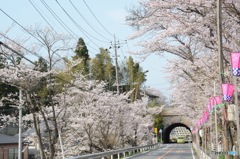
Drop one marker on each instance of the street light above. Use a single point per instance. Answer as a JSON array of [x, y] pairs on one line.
[[20, 126], [160, 131], [156, 133]]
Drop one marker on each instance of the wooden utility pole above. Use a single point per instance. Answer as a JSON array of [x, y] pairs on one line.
[[116, 63], [219, 32], [221, 69]]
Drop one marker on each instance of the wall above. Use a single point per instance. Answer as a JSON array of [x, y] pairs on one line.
[[4, 148]]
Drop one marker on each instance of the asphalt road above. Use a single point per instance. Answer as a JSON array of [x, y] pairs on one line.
[[168, 151]]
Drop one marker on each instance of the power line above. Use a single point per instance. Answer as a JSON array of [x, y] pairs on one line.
[[97, 18], [14, 51], [33, 34], [122, 52], [65, 26], [118, 45], [48, 22], [59, 20], [127, 46], [38, 9], [27, 30], [122, 55], [78, 26], [6, 46], [21, 46], [41, 15], [22, 26], [33, 53], [87, 21]]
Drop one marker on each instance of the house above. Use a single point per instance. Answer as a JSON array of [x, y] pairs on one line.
[[9, 147], [153, 95], [33, 147]]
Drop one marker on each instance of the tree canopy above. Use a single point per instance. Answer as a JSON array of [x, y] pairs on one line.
[[188, 30], [74, 104]]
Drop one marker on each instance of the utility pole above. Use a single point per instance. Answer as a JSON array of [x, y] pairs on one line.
[[219, 32], [221, 69], [116, 63], [20, 126], [116, 46]]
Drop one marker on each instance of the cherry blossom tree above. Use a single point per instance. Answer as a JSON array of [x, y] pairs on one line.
[[100, 120], [187, 29], [65, 105], [21, 72], [87, 118]]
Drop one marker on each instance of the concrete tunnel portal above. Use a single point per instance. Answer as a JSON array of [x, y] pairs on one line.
[[167, 131]]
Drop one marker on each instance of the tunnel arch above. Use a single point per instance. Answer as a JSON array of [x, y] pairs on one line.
[[167, 131]]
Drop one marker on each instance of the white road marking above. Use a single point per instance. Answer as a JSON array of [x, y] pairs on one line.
[[192, 153]]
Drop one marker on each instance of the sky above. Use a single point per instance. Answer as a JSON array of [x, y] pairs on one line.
[[96, 21]]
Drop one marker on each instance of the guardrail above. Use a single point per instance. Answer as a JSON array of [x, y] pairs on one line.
[[120, 152]]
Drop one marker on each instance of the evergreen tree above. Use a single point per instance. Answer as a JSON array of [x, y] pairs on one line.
[[82, 53], [2, 61], [7, 92], [42, 90], [41, 65]]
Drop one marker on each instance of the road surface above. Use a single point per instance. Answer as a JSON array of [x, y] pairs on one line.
[[168, 151]]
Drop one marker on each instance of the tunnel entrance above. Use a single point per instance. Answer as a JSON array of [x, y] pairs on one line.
[[167, 132]]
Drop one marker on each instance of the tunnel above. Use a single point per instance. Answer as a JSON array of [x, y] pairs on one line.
[[167, 131]]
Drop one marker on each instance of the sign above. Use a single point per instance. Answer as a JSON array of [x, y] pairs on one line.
[[155, 130], [201, 133]]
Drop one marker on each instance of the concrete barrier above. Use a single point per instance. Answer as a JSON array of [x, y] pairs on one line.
[[200, 153]]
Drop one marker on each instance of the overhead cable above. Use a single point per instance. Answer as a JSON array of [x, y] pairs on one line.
[[14, 51], [62, 23], [20, 46], [87, 21], [78, 26], [22, 26], [27, 30], [97, 18], [59, 20], [6, 46], [41, 15]]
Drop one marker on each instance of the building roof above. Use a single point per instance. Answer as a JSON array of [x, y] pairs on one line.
[[5, 139]]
